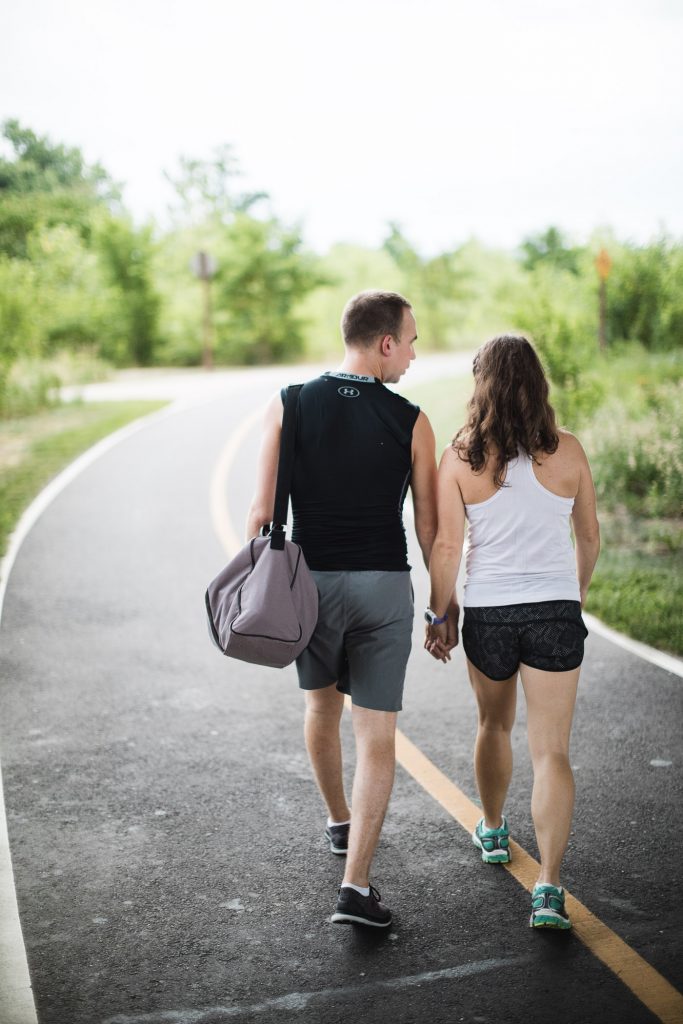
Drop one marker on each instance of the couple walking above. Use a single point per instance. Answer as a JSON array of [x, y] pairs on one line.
[[518, 480]]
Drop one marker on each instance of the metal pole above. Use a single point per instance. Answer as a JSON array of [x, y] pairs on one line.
[[602, 326], [204, 266], [207, 354], [603, 264]]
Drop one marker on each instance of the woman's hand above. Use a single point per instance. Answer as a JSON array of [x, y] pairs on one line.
[[436, 642], [440, 640]]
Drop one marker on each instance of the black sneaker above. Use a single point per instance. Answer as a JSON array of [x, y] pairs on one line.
[[357, 909], [338, 836]]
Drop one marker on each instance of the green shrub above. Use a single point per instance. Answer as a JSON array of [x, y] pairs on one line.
[[30, 385], [645, 294], [556, 308], [637, 459]]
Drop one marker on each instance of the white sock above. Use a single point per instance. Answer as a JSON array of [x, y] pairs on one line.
[[359, 888], [330, 823]]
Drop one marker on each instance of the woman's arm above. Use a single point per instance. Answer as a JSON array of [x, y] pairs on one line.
[[585, 525], [446, 555]]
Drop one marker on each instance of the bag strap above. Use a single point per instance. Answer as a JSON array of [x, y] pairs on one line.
[[285, 466]]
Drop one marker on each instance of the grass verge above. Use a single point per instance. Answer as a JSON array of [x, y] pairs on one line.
[[33, 449], [643, 600], [637, 587]]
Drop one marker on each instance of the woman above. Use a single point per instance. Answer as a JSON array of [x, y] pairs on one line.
[[518, 480]]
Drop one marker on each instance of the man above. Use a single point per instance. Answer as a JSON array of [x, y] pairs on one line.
[[359, 446]]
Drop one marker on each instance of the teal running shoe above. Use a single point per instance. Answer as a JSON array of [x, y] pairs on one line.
[[547, 908], [494, 843]]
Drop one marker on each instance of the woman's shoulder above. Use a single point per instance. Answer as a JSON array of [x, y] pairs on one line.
[[568, 458], [569, 445], [456, 452]]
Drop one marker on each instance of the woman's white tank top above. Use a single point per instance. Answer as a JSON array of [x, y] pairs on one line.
[[519, 544]]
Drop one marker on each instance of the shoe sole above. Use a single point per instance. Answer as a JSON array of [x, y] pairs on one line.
[[558, 924], [340, 851], [502, 857], [338, 918]]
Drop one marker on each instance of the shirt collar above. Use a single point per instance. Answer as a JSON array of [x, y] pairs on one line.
[[352, 376]]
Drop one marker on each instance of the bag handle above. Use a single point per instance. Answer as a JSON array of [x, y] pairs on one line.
[[285, 467]]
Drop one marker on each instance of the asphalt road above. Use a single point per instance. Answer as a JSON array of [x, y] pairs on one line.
[[166, 834]]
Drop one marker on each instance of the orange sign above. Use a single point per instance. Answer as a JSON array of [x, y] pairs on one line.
[[603, 262]]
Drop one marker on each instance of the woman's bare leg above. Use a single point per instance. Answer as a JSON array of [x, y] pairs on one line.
[[550, 698], [497, 703]]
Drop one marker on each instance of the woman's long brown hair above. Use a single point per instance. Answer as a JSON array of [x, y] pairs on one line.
[[509, 409]]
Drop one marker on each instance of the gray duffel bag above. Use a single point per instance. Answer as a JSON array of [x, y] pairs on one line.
[[263, 606]]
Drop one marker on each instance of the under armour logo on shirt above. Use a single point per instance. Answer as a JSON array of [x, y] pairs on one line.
[[347, 392]]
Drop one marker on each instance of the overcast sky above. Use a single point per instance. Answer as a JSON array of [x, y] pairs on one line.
[[453, 118]]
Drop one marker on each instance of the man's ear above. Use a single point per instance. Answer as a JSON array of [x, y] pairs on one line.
[[385, 346]]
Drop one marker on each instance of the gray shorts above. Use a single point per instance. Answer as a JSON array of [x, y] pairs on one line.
[[363, 637]]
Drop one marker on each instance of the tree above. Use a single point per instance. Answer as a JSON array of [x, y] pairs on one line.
[[645, 294], [556, 308], [550, 247], [263, 275], [436, 286], [43, 184], [127, 254], [205, 188]]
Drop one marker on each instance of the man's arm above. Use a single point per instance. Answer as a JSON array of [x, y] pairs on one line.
[[423, 484], [262, 505]]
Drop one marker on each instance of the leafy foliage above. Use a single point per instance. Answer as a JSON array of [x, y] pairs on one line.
[[262, 275], [636, 450], [127, 254], [552, 307], [645, 295], [551, 249], [344, 271], [436, 288], [205, 188], [42, 185]]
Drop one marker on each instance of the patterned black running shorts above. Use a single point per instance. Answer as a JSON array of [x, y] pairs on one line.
[[547, 635]]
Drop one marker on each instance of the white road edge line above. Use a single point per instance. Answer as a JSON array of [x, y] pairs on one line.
[[16, 997], [669, 662], [298, 1001]]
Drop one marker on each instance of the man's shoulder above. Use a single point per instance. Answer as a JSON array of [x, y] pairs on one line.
[[401, 402], [298, 384]]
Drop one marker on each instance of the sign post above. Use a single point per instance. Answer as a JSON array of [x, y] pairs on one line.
[[603, 263], [204, 266]]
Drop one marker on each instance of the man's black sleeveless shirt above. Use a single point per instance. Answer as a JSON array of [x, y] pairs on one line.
[[351, 473]]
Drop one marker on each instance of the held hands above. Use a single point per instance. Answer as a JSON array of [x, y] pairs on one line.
[[440, 640]]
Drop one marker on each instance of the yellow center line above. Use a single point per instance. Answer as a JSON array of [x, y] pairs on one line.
[[221, 519], [647, 984]]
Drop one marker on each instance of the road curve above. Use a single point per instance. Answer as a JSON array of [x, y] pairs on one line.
[[165, 833]]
